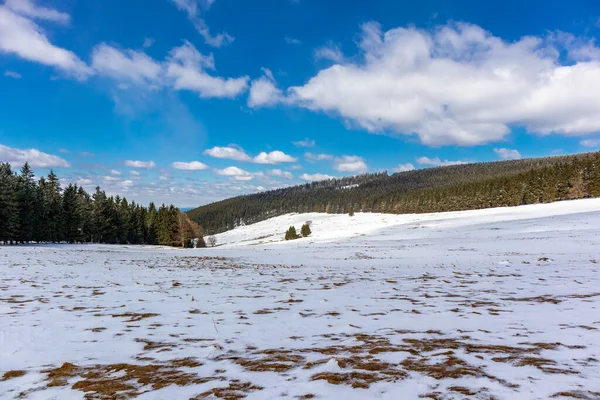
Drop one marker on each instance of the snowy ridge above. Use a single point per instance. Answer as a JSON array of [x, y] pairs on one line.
[[331, 227]]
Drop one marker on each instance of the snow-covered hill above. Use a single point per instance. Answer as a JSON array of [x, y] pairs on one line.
[[498, 303], [374, 226]]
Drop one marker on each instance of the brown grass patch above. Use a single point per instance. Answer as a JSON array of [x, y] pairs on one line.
[[578, 394], [272, 360], [134, 317], [17, 373], [121, 381], [235, 391]]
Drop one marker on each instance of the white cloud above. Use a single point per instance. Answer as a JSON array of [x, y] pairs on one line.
[[13, 74], [230, 153], [331, 52], [316, 177], [281, 174], [311, 157], [29, 9], [436, 162], [22, 37], [84, 181], [350, 164], [274, 157], [148, 42], [304, 143], [190, 166], [192, 8], [235, 172], [115, 172], [109, 178], [508, 154], [186, 66], [590, 143], [458, 84], [264, 92], [134, 173], [404, 167], [125, 184], [292, 40], [34, 157], [128, 65], [140, 164]]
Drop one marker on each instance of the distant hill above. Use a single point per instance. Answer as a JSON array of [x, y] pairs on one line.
[[457, 187]]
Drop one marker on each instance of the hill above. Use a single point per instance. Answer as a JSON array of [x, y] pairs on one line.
[[451, 188]]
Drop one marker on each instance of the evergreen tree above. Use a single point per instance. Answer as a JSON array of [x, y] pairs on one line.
[[305, 230], [9, 211], [72, 217], [291, 234]]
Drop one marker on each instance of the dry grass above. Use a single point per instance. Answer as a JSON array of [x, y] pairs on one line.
[[578, 394], [235, 391], [122, 381], [134, 317], [12, 374]]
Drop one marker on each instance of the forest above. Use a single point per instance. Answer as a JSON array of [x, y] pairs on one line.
[[42, 211], [450, 188]]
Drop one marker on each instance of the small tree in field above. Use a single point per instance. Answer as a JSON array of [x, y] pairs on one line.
[[291, 234], [212, 241], [305, 230], [351, 211]]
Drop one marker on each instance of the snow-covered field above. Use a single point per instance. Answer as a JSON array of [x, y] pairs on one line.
[[500, 303]]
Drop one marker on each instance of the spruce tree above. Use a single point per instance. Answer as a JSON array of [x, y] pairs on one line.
[[305, 230]]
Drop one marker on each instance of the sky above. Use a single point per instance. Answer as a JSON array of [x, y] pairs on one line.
[[192, 101]]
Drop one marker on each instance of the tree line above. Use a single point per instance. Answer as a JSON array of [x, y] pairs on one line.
[[42, 211], [451, 188]]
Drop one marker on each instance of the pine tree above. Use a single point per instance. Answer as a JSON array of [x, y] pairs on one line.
[[9, 212], [291, 234], [71, 216], [305, 230]]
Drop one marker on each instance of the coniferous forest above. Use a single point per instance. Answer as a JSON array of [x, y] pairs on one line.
[[451, 188], [42, 211]]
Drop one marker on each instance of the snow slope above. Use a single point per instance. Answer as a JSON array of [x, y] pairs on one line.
[[498, 303]]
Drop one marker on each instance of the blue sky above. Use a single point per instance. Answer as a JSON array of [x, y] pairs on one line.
[[191, 101]]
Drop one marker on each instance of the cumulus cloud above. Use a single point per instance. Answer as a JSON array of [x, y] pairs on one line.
[[281, 174], [508, 154], [458, 84], [264, 91], [316, 177], [436, 162], [274, 157], [194, 9], [190, 166], [134, 173], [140, 164], [350, 164], [125, 65], [187, 68], [235, 172], [404, 167], [304, 143], [34, 157], [115, 172], [312, 157], [230, 153], [22, 37]]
